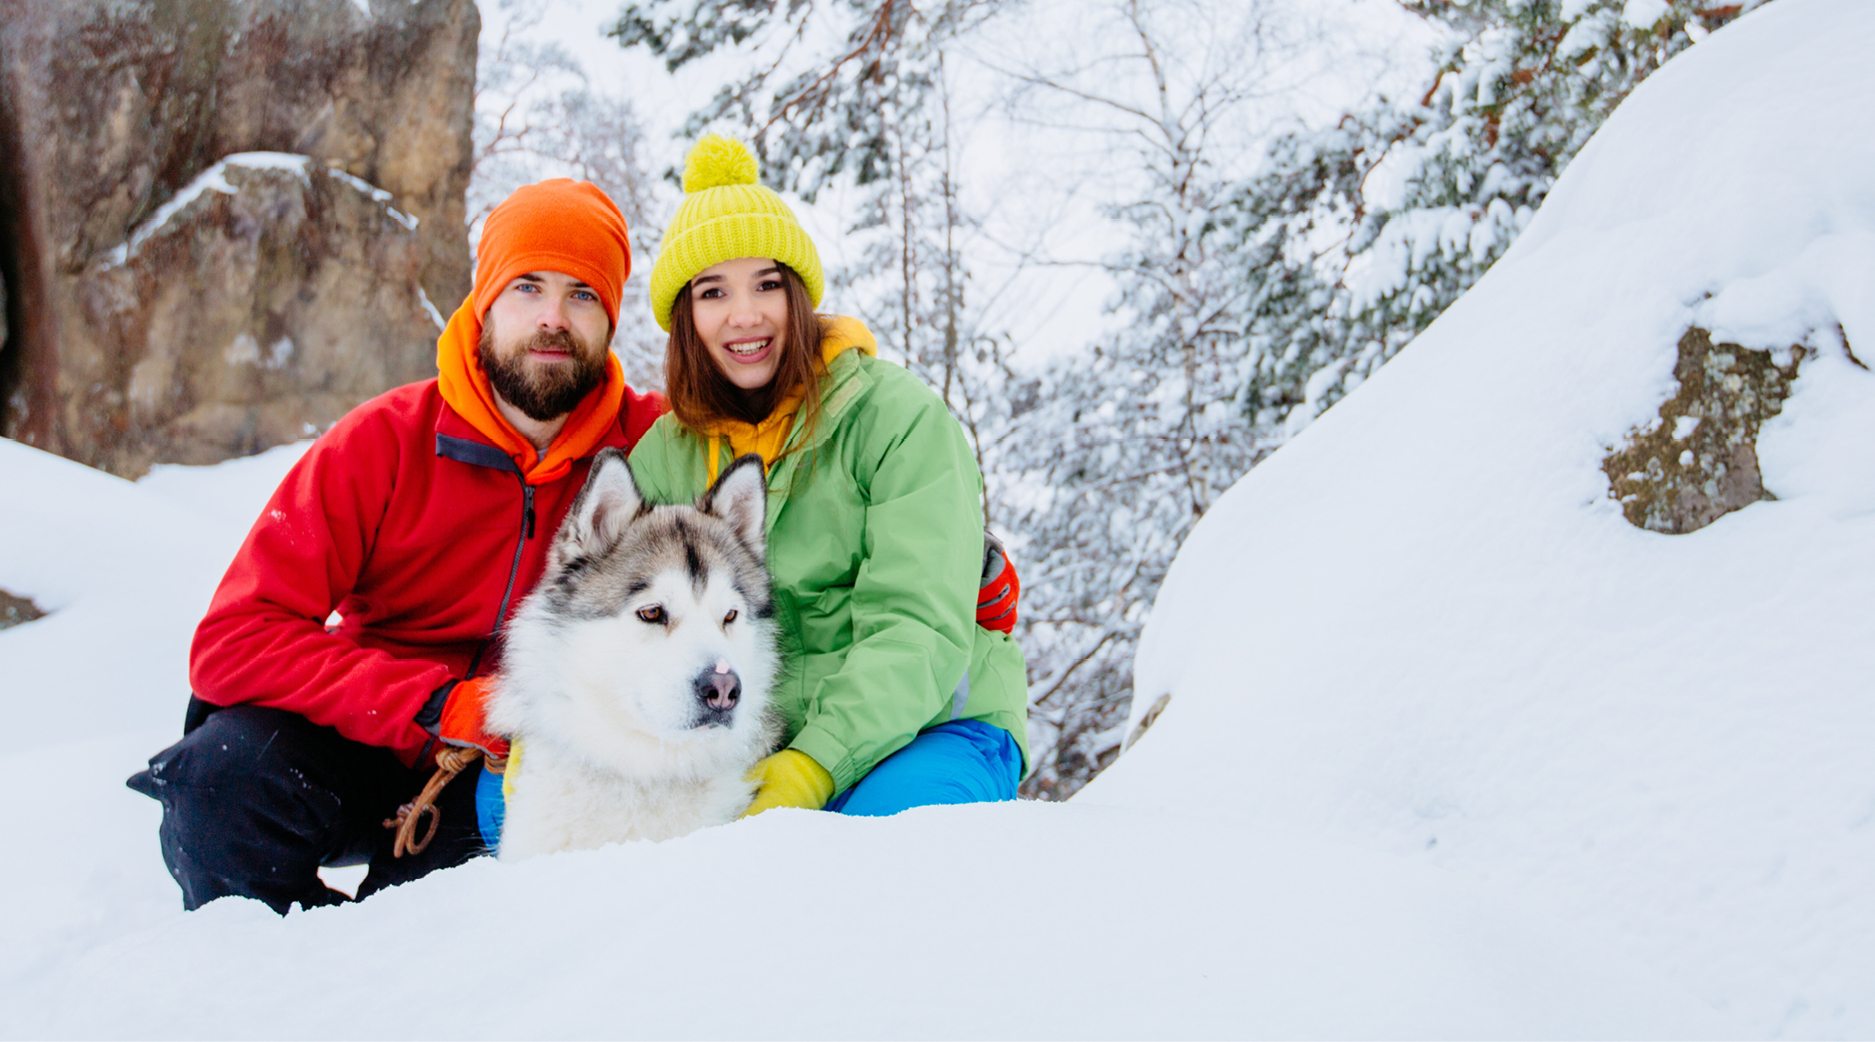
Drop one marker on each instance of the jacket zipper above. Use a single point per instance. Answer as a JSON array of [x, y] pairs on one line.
[[514, 569]]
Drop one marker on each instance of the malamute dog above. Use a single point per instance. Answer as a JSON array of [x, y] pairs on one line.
[[637, 674]]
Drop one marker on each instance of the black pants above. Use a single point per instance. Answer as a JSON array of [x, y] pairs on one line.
[[255, 800]]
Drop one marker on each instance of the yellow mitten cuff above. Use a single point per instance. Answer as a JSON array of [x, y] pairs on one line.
[[790, 778]]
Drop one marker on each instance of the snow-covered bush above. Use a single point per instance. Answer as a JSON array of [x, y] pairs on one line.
[[1353, 238]]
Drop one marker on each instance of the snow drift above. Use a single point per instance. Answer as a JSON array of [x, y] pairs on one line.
[[1039, 920], [1426, 627]]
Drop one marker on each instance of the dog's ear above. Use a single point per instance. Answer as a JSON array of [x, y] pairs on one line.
[[605, 506], [740, 497]]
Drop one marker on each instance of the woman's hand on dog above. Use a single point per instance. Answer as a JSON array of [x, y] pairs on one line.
[[789, 778]]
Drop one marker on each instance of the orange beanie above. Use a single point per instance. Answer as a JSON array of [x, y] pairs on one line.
[[560, 225]]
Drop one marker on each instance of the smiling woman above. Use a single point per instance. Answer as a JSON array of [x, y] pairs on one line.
[[895, 697]]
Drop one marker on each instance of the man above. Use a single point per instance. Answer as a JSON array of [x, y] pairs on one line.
[[421, 518]]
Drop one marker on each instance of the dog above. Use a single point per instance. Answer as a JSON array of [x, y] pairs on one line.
[[636, 676]]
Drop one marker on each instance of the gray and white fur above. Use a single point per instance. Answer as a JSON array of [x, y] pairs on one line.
[[637, 674]]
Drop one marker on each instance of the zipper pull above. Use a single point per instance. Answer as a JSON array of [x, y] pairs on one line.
[[527, 519]]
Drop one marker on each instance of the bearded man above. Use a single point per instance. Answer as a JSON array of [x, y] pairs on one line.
[[351, 634]]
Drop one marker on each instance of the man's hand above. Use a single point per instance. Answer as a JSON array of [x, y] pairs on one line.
[[996, 595], [462, 721], [790, 778]]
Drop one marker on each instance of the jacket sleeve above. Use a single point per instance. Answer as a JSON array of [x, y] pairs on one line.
[[913, 599], [264, 641]]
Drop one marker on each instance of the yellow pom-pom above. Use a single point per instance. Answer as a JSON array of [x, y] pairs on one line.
[[717, 161]]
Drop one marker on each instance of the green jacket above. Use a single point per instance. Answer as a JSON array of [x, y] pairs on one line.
[[875, 541]]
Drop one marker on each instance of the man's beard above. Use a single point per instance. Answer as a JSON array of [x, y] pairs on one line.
[[547, 391]]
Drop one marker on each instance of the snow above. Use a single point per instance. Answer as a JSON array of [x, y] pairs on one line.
[[1451, 750], [1645, 14], [125, 570], [1424, 628], [379, 195], [215, 179], [945, 921], [430, 309], [1010, 920]]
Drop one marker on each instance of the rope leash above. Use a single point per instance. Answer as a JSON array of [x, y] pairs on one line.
[[450, 762]]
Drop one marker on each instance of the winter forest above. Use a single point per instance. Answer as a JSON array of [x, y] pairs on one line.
[[1136, 246], [1433, 437]]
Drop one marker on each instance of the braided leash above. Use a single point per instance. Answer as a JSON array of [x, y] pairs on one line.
[[449, 763]]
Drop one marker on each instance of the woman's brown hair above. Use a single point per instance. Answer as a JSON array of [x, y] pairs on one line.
[[702, 396]]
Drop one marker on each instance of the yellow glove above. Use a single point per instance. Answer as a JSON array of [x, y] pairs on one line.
[[790, 778]]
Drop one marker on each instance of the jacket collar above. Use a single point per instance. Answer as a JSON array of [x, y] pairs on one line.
[[459, 440], [846, 382]]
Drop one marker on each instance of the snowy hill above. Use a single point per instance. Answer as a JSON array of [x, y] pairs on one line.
[[1041, 920], [1452, 750], [1426, 627]]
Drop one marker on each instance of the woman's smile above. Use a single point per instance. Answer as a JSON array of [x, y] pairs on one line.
[[750, 350]]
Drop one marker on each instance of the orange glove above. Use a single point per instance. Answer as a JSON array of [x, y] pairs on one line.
[[462, 721], [997, 593]]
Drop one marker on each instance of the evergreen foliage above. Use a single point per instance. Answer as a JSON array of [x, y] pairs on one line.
[[1351, 240]]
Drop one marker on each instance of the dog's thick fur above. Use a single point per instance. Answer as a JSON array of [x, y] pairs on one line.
[[619, 666]]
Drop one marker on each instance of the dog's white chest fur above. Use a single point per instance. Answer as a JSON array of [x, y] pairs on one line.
[[561, 804], [636, 675]]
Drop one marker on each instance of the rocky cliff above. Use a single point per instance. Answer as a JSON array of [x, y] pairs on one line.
[[224, 222]]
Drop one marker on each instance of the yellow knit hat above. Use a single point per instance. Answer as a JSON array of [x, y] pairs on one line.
[[727, 214]]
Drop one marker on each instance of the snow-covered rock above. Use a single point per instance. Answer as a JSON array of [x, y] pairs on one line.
[[1425, 626]]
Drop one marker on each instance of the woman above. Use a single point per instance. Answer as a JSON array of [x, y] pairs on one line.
[[895, 697]]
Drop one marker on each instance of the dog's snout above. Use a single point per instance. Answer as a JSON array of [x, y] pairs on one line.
[[719, 691]]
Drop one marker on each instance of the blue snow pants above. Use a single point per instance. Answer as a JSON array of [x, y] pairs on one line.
[[963, 761]]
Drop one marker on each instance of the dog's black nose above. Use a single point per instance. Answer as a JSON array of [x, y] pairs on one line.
[[719, 690]]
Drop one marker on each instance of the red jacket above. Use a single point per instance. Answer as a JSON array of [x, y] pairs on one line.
[[421, 533]]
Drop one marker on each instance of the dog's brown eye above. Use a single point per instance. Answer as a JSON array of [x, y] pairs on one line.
[[729, 618], [653, 614]]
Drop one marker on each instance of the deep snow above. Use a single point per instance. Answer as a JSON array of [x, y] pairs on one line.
[[1424, 627], [994, 921], [1452, 750]]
